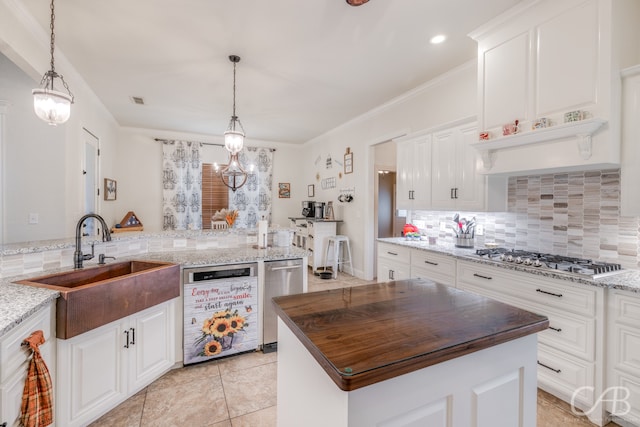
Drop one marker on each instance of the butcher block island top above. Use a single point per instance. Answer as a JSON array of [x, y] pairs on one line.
[[367, 334]]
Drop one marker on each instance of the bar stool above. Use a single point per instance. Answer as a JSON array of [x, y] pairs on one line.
[[338, 259]]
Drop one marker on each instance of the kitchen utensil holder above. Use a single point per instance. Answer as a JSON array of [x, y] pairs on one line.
[[464, 241]]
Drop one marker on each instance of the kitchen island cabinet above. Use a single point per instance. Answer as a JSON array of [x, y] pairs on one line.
[[409, 352]]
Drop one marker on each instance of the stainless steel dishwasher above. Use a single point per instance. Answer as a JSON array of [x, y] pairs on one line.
[[281, 278]]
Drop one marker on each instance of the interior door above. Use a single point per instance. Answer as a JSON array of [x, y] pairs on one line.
[[91, 187]]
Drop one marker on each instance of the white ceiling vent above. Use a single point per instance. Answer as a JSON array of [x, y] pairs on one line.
[[137, 100]]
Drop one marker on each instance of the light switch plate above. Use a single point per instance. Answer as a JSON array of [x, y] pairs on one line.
[[479, 230], [443, 226], [33, 218]]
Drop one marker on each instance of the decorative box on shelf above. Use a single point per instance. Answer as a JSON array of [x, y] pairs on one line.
[[130, 222]]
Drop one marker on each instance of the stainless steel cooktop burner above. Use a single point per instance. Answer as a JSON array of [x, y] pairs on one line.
[[579, 266]]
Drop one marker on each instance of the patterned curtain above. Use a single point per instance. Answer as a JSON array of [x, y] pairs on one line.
[[253, 199], [182, 185]]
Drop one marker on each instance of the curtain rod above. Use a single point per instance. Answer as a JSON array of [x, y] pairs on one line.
[[206, 143]]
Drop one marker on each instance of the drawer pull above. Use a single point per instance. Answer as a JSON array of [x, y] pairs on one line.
[[126, 344], [555, 329], [392, 253], [482, 277], [430, 263], [549, 293], [557, 371]]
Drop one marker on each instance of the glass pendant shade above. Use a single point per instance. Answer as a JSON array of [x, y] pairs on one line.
[[52, 106], [234, 136]]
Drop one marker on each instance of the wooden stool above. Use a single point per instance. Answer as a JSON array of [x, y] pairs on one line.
[[338, 259]]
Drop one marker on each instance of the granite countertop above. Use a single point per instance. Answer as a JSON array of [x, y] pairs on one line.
[[312, 219], [628, 280], [350, 331], [18, 302]]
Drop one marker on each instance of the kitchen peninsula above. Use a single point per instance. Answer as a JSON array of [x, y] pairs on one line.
[[409, 352]]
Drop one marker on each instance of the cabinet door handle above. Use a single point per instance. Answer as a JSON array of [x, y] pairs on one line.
[[451, 194], [391, 275], [482, 277], [455, 192], [133, 336], [392, 253], [126, 343], [430, 262], [557, 371], [549, 293], [555, 329]]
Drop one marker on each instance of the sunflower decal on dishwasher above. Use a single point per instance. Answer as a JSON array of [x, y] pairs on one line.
[[218, 332]]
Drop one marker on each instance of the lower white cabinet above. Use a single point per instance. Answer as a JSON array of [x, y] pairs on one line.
[[571, 352], [394, 262], [14, 362], [101, 368], [623, 367]]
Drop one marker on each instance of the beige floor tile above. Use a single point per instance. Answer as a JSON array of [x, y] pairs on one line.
[[262, 418], [186, 374], [250, 390], [127, 414], [197, 403], [247, 360]]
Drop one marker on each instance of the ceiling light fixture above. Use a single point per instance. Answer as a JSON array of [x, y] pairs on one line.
[[438, 39], [50, 105], [356, 2], [232, 175], [234, 136]]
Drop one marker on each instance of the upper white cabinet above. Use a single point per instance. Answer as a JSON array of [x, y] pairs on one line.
[[543, 59], [630, 173], [456, 183], [413, 190]]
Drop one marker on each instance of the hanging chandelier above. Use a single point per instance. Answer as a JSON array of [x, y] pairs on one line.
[[52, 106], [233, 175]]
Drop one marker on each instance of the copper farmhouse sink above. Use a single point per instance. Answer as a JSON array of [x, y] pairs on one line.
[[95, 296]]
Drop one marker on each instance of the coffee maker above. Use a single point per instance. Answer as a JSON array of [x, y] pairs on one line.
[[308, 210]]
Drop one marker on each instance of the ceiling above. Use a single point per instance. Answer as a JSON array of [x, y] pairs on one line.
[[307, 65]]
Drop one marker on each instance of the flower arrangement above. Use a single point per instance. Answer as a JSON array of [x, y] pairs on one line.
[[218, 332], [225, 215]]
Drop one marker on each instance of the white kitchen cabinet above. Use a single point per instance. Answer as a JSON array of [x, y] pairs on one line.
[[101, 368], [433, 266], [455, 182], [413, 187], [394, 262], [629, 171], [544, 59], [14, 362], [571, 352], [623, 364]]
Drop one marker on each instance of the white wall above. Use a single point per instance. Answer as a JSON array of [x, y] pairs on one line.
[[43, 169], [139, 174], [447, 98]]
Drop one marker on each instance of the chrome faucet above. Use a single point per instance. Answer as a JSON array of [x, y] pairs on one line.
[[78, 256]]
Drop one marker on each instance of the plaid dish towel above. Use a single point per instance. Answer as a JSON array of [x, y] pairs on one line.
[[37, 396]]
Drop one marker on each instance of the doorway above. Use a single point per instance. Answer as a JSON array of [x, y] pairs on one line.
[[90, 172], [386, 203]]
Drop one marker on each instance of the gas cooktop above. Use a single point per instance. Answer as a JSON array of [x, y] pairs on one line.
[[578, 266]]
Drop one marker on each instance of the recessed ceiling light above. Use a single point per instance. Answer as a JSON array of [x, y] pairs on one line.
[[438, 39]]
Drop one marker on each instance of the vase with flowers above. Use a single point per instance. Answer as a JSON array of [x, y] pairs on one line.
[[218, 332]]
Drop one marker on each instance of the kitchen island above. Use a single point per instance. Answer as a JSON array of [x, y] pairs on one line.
[[405, 353]]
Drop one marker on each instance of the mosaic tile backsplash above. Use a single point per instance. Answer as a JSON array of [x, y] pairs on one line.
[[575, 214]]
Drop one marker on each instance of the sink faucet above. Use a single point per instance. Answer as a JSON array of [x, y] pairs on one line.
[[78, 256]]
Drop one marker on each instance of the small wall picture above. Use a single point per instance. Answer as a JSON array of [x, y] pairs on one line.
[[348, 161], [284, 190], [110, 189], [311, 190]]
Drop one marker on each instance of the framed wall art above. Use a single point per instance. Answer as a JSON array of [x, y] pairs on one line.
[[110, 189], [348, 161], [284, 190], [311, 190]]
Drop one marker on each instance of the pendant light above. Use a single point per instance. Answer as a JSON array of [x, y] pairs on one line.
[[234, 136], [52, 106], [233, 175]]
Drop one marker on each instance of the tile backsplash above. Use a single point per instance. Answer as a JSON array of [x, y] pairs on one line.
[[575, 214]]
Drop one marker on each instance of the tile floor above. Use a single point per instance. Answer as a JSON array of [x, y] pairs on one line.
[[240, 391]]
